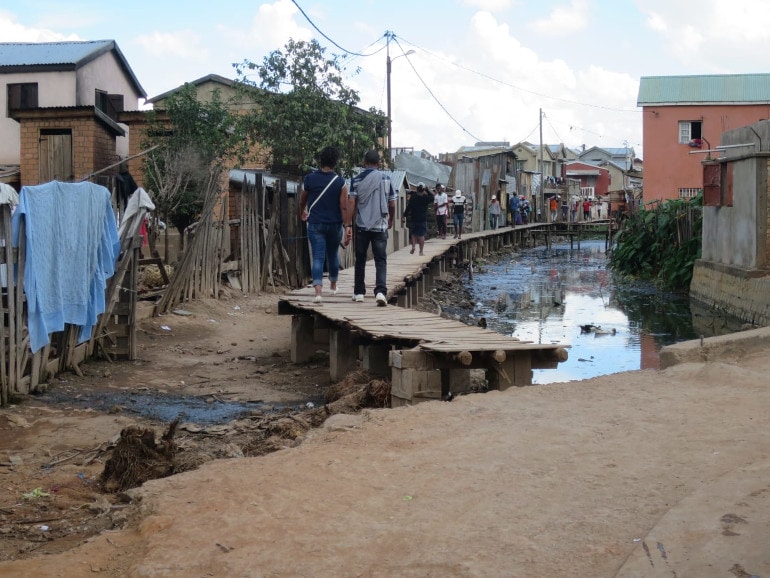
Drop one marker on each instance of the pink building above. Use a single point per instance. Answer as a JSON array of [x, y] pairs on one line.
[[688, 114], [594, 181]]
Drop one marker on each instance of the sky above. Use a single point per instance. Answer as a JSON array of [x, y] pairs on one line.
[[481, 70]]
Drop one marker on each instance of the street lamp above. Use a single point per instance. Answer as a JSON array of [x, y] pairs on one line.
[[390, 122]]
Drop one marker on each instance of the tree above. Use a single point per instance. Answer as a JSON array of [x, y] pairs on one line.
[[304, 105], [193, 140]]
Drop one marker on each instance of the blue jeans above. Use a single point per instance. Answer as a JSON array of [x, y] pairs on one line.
[[458, 222], [325, 243], [379, 242]]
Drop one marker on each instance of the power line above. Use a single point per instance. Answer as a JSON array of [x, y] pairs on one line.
[[465, 130], [552, 128], [530, 133], [504, 83], [327, 38]]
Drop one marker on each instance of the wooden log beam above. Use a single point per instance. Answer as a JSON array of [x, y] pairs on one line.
[[464, 357]]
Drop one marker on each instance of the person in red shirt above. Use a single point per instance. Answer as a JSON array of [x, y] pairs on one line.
[[586, 210]]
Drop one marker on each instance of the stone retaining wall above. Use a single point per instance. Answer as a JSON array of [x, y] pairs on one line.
[[739, 293]]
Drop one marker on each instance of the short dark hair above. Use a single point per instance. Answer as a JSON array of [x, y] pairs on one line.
[[372, 157], [329, 157]]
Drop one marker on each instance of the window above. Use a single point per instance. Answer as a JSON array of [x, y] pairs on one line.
[[22, 96], [688, 192], [689, 130], [109, 104]]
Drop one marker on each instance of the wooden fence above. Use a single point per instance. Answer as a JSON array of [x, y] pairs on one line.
[[22, 372], [268, 247]]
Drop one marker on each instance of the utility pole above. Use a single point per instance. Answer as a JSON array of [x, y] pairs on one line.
[[542, 168], [388, 35], [389, 63]]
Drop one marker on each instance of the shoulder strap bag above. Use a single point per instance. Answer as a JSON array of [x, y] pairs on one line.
[[310, 208]]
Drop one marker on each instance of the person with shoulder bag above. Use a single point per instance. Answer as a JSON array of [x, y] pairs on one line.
[[322, 205]]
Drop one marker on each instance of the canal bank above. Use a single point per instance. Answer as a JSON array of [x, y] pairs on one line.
[[644, 473], [568, 295]]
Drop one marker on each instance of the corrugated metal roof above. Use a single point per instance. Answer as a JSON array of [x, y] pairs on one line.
[[37, 56], [293, 187], [704, 89], [418, 169], [51, 53]]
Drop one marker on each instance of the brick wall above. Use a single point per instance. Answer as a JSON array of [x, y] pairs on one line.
[[93, 143]]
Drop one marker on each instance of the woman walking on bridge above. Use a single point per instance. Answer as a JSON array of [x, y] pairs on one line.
[[327, 196]]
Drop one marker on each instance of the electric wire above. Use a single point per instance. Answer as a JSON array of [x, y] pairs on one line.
[[504, 83], [553, 128], [465, 130], [325, 36]]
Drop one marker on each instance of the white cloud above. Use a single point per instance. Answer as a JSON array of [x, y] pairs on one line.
[[270, 28], [656, 22], [489, 5], [184, 44], [717, 37], [12, 31], [564, 19]]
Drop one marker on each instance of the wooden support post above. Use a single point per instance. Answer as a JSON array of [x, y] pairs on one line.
[[343, 353], [375, 360], [413, 378], [302, 338], [459, 380], [501, 375]]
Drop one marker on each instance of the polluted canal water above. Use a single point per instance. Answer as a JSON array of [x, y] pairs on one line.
[[563, 295]]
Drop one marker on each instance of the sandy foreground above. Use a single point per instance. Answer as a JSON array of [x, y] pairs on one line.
[[639, 474]]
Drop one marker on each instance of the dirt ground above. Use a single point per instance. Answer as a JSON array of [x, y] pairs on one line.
[[649, 473]]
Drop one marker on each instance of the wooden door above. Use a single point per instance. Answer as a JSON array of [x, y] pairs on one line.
[[56, 155]]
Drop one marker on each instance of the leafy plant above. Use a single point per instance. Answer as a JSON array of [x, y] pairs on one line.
[[193, 139], [303, 105], [661, 244]]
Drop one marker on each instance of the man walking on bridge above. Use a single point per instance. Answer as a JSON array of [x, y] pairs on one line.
[[372, 205]]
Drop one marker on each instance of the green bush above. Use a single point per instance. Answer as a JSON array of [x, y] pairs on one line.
[[661, 244]]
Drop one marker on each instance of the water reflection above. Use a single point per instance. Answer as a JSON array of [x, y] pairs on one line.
[[545, 296]]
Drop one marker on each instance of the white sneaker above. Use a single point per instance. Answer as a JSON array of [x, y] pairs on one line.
[[381, 301], [358, 298]]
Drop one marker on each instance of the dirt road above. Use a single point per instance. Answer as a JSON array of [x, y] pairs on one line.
[[652, 473]]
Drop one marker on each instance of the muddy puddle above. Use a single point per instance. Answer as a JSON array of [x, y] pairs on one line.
[[204, 410]]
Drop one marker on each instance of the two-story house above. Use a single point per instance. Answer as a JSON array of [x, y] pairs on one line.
[[688, 114], [60, 103]]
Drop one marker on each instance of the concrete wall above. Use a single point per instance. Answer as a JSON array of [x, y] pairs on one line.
[[105, 74], [733, 274], [54, 89], [730, 234]]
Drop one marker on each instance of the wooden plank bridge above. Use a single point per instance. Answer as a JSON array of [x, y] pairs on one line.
[[425, 356]]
